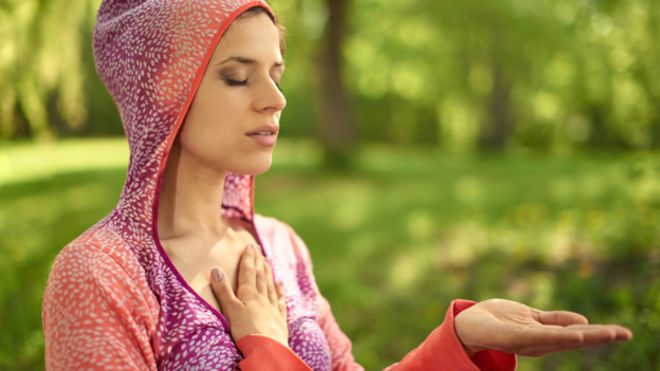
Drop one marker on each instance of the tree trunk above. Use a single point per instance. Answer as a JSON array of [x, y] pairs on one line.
[[336, 132], [498, 125]]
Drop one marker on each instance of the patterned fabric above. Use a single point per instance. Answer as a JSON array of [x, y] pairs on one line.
[[114, 300], [113, 294]]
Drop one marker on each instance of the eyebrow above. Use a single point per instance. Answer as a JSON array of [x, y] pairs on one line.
[[246, 60]]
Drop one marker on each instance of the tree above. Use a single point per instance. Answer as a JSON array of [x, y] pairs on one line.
[[41, 68], [337, 133]]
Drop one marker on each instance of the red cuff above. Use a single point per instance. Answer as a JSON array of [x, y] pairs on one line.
[[486, 360], [261, 352], [442, 350]]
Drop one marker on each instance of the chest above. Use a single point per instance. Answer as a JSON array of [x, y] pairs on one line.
[[191, 332], [194, 263]]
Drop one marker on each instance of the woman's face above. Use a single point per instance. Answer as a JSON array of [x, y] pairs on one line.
[[238, 95]]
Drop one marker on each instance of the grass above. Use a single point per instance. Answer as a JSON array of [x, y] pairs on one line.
[[393, 241]]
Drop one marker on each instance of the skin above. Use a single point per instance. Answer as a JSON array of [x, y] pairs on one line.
[[212, 142], [513, 327], [252, 309]]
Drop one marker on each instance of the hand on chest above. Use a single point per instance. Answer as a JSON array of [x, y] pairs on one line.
[[194, 258]]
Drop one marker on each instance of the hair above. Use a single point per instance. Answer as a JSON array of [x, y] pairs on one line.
[[280, 28]]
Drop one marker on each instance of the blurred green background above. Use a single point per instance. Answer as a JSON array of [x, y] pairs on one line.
[[429, 151]]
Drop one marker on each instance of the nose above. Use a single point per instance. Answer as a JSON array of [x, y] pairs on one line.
[[271, 98]]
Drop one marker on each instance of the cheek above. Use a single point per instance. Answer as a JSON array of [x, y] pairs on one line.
[[216, 99], [213, 139], [215, 125], [211, 116]]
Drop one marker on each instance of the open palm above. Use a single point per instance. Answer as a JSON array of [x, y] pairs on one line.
[[513, 327]]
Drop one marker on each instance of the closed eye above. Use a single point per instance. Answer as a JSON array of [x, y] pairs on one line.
[[232, 82]]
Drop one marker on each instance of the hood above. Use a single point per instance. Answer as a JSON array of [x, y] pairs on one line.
[[151, 55]]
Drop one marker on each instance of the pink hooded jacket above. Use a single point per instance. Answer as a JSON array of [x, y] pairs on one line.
[[114, 300]]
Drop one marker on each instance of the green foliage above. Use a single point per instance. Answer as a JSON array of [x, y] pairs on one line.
[[544, 75], [549, 74], [42, 72], [393, 241]]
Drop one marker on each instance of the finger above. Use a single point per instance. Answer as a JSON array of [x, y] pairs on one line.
[[281, 299], [551, 347], [262, 284], [246, 273], [546, 339], [542, 336], [272, 291], [595, 331], [617, 332], [598, 334], [257, 249], [255, 255], [535, 351], [623, 333], [559, 317], [592, 336], [222, 290]]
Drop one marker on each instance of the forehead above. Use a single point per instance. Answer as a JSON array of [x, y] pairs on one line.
[[254, 36]]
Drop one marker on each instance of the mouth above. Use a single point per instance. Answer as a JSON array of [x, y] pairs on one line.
[[269, 129], [265, 135], [265, 139]]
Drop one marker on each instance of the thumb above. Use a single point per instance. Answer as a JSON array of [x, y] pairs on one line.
[[561, 318], [222, 290]]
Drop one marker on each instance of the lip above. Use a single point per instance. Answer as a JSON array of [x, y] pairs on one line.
[[271, 128], [265, 140]]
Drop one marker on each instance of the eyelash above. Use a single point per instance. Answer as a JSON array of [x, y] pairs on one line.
[[231, 82]]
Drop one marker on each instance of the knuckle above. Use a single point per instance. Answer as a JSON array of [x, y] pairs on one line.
[[243, 291], [218, 289], [247, 264], [247, 293]]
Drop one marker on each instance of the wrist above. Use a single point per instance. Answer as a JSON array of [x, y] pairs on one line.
[[281, 341], [469, 349]]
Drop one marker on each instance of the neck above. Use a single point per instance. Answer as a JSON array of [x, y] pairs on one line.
[[190, 199]]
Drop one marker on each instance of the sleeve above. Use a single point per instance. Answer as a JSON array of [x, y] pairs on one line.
[[93, 316], [441, 348], [263, 353], [203, 350]]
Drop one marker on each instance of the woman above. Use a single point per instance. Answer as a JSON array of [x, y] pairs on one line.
[[196, 85]]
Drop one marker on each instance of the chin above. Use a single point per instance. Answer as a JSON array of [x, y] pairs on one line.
[[254, 168]]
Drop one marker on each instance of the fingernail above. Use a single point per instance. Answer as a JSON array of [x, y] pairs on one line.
[[216, 274]]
